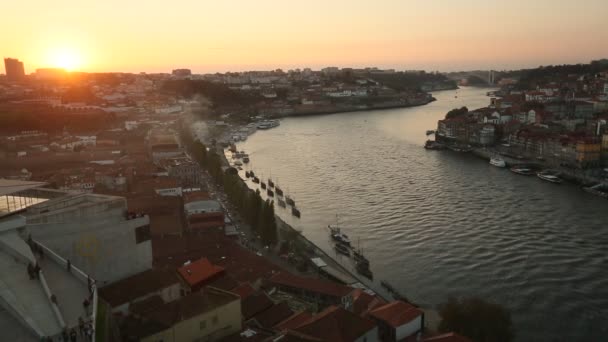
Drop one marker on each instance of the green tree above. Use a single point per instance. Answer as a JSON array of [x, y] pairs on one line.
[[477, 319]]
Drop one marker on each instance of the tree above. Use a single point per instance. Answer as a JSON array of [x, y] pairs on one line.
[[456, 112], [477, 319]]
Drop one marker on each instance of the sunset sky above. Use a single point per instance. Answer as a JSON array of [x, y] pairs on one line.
[[210, 36]]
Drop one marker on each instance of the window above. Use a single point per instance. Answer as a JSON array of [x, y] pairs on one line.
[[214, 320], [203, 325]]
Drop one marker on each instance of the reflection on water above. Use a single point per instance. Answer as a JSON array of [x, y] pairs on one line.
[[436, 223]]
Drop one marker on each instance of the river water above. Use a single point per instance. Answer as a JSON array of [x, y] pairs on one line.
[[438, 223]]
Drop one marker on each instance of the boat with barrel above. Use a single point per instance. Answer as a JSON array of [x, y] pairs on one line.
[[295, 212], [281, 202], [290, 200]]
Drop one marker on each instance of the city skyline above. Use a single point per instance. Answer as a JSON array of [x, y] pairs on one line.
[[267, 35]]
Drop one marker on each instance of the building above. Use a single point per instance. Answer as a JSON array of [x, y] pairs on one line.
[[397, 320], [318, 291], [95, 233], [163, 145], [14, 69], [50, 74], [122, 294], [203, 214], [195, 275], [207, 315], [588, 153], [42, 293], [339, 325], [181, 72], [186, 171]]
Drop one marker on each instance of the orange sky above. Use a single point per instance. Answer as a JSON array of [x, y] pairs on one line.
[[210, 36]]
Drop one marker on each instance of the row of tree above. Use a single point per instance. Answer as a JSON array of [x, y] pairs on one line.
[[259, 214]]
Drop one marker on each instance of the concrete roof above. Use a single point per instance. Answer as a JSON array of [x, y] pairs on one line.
[[9, 186]]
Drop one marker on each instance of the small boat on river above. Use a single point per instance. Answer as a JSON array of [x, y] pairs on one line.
[[549, 177], [342, 249], [498, 162]]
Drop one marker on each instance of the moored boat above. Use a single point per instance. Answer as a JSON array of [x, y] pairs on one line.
[[270, 193], [279, 191], [270, 183], [520, 170], [363, 269], [263, 185], [430, 131], [549, 177], [247, 174], [295, 212], [341, 238], [245, 160], [598, 190], [498, 162], [256, 179], [342, 249], [281, 203], [433, 145], [290, 201]]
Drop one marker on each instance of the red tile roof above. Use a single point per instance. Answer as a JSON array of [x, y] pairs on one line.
[[294, 336], [255, 304], [273, 315], [244, 290], [396, 313], [337, 325], [242, 264], [363, 302], [294, 321], [137, 286], [311, 284], [199, 271], [449, 337]]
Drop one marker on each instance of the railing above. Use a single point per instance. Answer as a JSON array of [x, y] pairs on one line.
[[80, 275]]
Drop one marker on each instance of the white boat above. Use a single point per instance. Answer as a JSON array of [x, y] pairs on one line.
[[549, 177], [498, 162]]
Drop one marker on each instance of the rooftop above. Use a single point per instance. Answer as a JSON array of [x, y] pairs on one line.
[[449, 337], [337, 325], [274, 315], [396, 313], [199, 271], [137, 286], [191, 305], [311, 284], [294, 321], [255, 304]]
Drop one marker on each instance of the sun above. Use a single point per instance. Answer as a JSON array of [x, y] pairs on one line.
[[65, 58]]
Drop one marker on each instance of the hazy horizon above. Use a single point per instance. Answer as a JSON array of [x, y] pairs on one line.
[[264, 35]]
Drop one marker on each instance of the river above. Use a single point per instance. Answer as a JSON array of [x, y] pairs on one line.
[[438, 223]]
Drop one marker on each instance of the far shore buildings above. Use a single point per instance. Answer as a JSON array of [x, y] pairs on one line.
[[14, 69]]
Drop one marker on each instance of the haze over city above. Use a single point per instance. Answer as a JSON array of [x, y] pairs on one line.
[[311, 171], [219, 36]]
